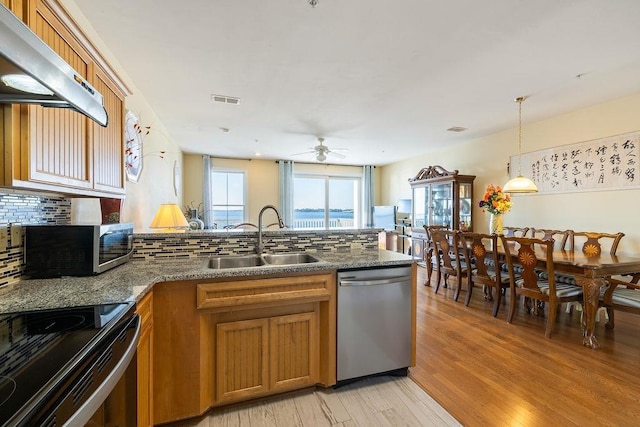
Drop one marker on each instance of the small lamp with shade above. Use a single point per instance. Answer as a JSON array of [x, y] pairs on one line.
[[169, 219]]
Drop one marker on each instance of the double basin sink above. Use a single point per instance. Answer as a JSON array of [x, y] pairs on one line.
[[246, 261]]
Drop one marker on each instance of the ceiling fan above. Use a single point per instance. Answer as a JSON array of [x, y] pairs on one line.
[[321, 151]]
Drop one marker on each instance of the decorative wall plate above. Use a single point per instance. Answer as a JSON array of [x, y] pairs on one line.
[[133, 147]]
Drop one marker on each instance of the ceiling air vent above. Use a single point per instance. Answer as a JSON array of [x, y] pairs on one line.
[[457, 129], [225, 99]]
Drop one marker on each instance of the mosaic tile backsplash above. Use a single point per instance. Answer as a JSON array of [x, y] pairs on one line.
[[198, 244], [34, 209], [26, 209]]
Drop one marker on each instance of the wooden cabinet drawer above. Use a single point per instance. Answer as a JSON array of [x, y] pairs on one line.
[[263, 292]]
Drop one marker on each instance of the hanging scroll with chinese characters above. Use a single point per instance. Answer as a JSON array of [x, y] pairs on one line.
[[604, 164]]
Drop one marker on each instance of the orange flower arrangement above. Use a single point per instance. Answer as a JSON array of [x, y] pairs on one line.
[[495, 200]]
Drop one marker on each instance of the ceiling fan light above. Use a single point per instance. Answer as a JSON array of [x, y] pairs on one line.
[[321, 157], [520, 184]]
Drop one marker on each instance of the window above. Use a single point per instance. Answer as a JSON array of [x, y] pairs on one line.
[[326, 202], [228, 190]]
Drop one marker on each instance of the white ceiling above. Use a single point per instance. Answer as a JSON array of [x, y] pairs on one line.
[[381, 78]]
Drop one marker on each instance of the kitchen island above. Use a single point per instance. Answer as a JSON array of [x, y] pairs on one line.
[[131, 281], [218, 336]]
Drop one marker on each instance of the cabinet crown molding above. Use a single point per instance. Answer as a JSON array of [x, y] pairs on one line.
[[433, 172]]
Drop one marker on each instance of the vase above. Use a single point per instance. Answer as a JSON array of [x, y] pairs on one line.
[[110, 209], [195, 223], [495, 224]]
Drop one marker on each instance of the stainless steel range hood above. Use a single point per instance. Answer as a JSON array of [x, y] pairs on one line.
[[24, 55]]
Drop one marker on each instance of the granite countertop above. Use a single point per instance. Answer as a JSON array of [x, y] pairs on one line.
[[131, 281]]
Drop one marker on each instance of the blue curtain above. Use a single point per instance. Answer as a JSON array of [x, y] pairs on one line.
[[285, 168], [368, 196], [207, 201]]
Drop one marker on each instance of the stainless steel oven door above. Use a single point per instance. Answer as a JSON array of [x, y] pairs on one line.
[[115, 361]]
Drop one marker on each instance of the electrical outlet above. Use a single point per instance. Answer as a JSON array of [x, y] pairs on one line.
[[16, 234], [4, 237]]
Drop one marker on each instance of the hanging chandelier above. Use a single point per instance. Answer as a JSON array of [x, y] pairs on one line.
[[520, 184]]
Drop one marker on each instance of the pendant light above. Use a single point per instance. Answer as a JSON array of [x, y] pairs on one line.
[[520, 184]]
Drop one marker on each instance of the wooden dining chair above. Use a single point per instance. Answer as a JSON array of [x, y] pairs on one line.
[[429, 257], [621, 295], [480, 251], [515, 231], [529, 284], [591, 243], [561, 238], [449, 260]]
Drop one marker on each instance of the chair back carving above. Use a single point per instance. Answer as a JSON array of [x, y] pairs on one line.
[[428, 228], [591, 242], [447, 251], [529, 253], [486, 261], [445, 242], [480, 250], [560, 237], [516, 231], [431, 260], [523, 254]]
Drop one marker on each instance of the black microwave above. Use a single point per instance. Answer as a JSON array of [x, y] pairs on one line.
[[75, 250]]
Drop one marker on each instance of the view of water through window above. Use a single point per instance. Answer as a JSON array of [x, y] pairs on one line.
[[326, 202]]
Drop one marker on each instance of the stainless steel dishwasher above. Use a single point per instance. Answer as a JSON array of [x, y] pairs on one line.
[[374, 322]]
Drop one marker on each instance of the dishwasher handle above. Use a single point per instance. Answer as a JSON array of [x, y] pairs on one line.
[[373, 282]]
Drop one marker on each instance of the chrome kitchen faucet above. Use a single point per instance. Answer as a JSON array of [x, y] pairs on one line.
[[260, 246]]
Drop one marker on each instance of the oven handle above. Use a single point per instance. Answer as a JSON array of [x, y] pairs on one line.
[[93, 403]]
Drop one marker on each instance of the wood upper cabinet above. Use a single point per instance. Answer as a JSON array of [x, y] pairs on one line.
[[57, 149], [108, 142], [59, 139]]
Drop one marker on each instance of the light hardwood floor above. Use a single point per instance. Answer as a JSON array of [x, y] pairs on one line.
[[487, 372], [377, 401], [482, 370]]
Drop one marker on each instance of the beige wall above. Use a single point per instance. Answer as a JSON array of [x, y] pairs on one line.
[[487, 158], [156, 184], [160, 152], [262, 177], [262, 181]]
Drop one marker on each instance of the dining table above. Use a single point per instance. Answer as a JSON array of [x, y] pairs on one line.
[[590, 272]]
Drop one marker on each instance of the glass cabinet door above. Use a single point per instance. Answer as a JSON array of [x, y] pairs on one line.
[[465, 206], [419, 206], [441, 204]]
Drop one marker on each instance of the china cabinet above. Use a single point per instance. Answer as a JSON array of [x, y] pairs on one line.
[[441, 197]]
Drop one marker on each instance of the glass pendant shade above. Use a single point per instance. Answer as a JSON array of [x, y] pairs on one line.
[[520, 184]]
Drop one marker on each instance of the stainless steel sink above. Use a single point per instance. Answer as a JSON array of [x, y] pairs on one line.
[[287, 259], [235, 261], [245, 261]]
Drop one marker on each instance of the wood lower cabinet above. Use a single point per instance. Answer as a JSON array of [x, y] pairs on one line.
[[259, 356], [144, 362], [293, 351], [232, 339], [242, 350], [57, 149]]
